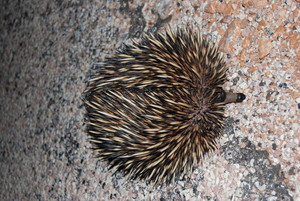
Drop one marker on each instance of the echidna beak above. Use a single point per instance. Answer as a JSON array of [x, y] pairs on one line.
[[234, 97]]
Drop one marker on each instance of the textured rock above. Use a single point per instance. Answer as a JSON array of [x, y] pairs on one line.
[[231, 35], [264, 47], [48, 47]]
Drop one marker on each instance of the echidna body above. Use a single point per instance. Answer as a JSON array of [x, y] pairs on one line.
[[156, 108]]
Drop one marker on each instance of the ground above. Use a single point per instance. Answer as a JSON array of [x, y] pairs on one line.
[[47, 49]]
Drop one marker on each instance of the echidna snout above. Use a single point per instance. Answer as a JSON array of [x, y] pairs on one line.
[[227, 97], [234, 97]]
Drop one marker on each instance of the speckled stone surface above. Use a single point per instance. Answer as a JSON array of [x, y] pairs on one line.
[[48, 47]]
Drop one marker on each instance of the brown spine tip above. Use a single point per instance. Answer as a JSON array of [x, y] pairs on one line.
[[234, 97]]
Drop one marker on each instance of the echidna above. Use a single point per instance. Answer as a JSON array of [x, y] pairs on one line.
[[156, 108]]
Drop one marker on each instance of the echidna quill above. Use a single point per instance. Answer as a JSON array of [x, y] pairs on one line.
[[156, 108]]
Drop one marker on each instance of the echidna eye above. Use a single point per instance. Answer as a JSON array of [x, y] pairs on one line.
[[219, 95]]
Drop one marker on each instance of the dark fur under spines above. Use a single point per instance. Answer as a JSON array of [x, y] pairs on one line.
[[156, 108]]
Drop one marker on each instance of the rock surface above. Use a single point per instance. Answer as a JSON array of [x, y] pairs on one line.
[[47, 49]]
